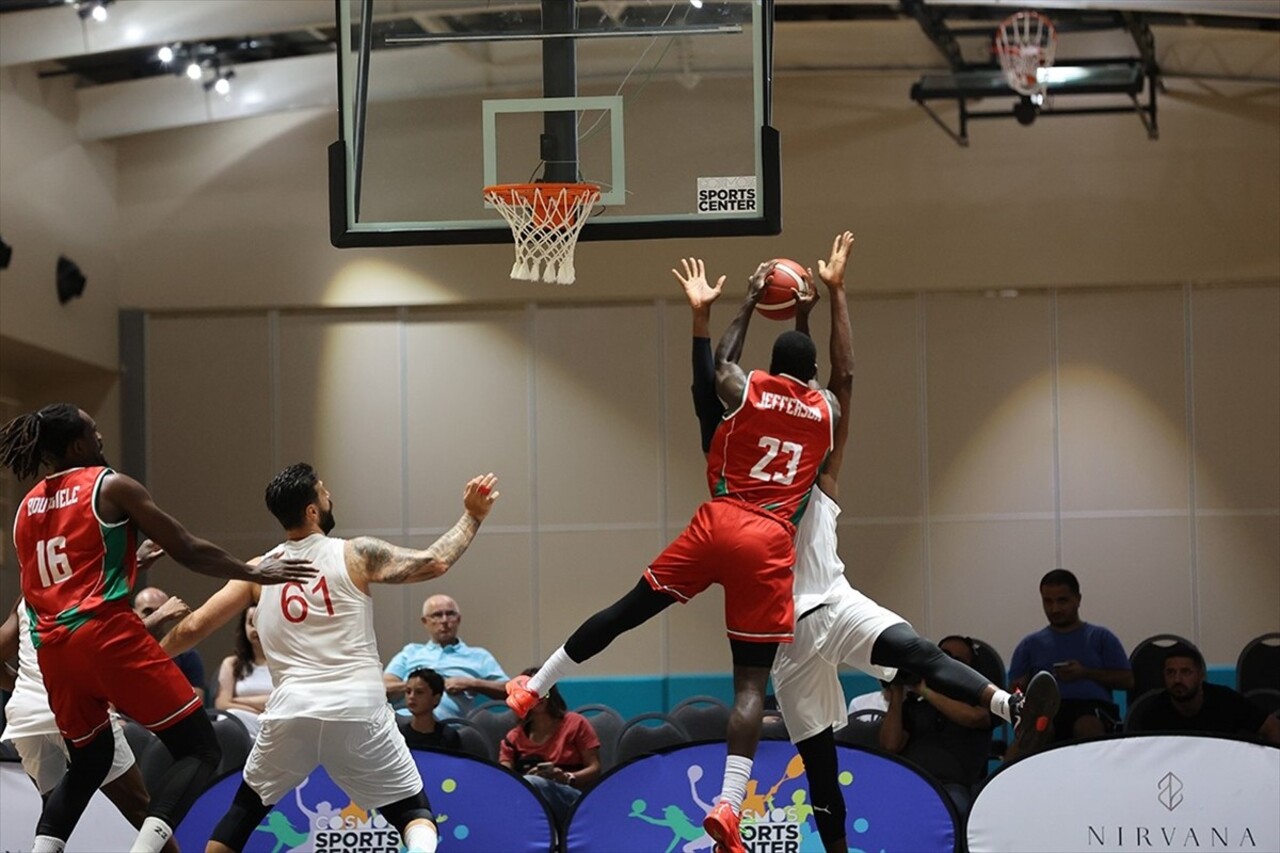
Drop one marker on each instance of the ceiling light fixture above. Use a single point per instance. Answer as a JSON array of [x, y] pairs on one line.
[[221, 82], [96, 9], [165, 54]]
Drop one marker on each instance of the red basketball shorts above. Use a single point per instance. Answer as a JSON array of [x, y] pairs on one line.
[[112, 660], [748, 551]]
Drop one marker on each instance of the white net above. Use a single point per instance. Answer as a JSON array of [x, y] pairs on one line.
[[1025, 43], [545, 221]]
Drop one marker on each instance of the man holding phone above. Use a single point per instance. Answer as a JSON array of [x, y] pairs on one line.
[[1087, 660]]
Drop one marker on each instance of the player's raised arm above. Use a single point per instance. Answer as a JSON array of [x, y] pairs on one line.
[[840, 383], [122, 496], [731, 380], [372, 560]]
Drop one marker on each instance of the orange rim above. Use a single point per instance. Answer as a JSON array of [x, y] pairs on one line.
[[553, 205]]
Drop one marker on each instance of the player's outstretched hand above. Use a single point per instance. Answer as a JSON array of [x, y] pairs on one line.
[[832, 271], [694, 281], [757, 281], [273, 569], [479, 495]]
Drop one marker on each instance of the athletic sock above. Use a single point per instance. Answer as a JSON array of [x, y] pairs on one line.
[[737, 772], [152, 836], [557, 667], [1000, 705], [47, 844], [420, 837]]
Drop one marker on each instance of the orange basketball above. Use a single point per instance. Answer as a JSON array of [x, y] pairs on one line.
[[778, 302]]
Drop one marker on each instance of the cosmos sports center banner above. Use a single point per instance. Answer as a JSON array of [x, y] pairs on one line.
[[657, 802], [480, 808]]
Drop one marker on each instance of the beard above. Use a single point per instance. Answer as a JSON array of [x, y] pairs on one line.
[[1181, 693], [327, 522]]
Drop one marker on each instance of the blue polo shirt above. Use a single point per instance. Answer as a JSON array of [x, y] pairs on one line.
[[1094, 646], [457, 659]]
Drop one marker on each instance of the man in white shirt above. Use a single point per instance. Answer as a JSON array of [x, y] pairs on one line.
[[319, 642]]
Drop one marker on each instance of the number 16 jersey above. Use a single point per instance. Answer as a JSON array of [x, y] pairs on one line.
[[319, 640], [770, 448]]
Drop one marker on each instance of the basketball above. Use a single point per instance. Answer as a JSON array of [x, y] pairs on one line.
[[778, 302]]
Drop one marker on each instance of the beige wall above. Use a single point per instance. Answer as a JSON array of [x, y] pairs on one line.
[[993, 439], [57, 197]]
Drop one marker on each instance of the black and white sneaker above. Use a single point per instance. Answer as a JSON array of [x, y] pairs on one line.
[[1033, 714]]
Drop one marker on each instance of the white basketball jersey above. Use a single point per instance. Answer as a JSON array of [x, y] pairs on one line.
[[319, 641], [819, 570], [27, 710]]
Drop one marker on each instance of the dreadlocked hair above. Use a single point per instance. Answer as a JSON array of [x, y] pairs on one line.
[[25, 439]]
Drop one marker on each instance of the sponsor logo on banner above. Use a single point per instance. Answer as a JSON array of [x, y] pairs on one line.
[[727, 195], [1170, 791], [658, 802], [318, 817], [1145, 792]]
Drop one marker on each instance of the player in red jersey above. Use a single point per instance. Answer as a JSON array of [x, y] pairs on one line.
[[766, 455], [76, 537]]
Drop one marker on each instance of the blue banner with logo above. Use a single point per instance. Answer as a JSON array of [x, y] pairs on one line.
[[479, 807], [657, 802]]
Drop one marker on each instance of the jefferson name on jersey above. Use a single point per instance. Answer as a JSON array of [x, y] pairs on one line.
[[788, 406]]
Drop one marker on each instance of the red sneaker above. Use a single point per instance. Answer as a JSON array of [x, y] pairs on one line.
[[519, 697], [721, 824]]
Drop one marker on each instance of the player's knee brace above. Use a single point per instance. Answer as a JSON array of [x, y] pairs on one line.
[[246, 812], [403, 812], [821, 771]]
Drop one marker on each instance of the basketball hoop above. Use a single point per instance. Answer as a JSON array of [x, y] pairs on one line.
[[545, 220], [1025, 42]]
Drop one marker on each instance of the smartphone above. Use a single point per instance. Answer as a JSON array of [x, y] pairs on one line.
[[544, 767]]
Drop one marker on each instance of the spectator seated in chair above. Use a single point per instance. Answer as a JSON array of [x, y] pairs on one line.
[[948, 739], [556, 750], [471, 674], [244, 682], [1087, 660], [1190, 704], [423, 690]]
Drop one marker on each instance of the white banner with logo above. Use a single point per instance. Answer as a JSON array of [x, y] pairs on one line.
[[101, 828], [1149, 793]]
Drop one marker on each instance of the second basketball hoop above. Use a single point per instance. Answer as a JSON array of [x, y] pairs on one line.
[[1025, 44]]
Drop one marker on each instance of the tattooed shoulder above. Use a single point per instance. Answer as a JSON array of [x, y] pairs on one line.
[[374, 552]]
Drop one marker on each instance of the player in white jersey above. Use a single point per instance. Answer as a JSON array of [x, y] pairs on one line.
[[328, 705], [835, 623], [30, 725]]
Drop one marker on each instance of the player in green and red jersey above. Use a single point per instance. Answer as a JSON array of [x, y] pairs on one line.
[[76, 534]]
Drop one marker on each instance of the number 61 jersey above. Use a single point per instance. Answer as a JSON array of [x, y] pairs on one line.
[[73, 564], [318, 639], [770, 448]]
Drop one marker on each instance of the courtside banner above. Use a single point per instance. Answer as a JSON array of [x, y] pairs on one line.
[[1141, 792], [657, 803], [480, 808], [101, 828]]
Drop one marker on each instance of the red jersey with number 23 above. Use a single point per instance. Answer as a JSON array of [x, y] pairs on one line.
[[73, 564], [769, 450]]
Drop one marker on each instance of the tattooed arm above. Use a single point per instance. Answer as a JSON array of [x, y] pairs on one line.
[[372, 561]]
